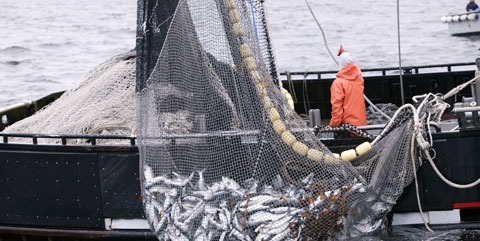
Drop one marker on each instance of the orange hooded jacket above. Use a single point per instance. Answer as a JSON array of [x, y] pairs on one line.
[[348, 105]]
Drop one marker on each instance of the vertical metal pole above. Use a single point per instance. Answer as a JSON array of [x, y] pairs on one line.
[[400, 53]]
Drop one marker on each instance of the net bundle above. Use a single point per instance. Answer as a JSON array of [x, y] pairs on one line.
[[104, 103], [225, 157]]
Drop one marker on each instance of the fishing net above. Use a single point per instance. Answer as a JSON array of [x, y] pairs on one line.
[[225, 157], [104, 103]]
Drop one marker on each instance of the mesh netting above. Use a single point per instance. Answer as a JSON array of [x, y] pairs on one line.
[[104, 103], [225, 157]]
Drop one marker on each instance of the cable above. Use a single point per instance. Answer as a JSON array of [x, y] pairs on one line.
[[253, 19], [321, 29], [444, 179], [336, 62], [416, 186], [376, 108]]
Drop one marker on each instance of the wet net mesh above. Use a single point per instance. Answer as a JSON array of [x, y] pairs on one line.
[[103, 103], [224, 157]]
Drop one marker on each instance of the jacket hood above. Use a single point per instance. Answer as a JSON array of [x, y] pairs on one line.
[[350, 72]]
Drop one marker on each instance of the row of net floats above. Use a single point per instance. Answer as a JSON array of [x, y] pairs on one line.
[[277, 123]]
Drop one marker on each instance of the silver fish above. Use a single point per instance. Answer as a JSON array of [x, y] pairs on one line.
[[309, 179], [280, 236], [263, 217], [239, 235], [201, 182], [179, 181], [276, 226], [161, 223], [257, 207], [222, 236], [260, 199], [262, 237], [197, 210], [200, 235], [147, 172], [208, 195]]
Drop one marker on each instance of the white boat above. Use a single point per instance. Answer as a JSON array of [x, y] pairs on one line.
[[462, 24]]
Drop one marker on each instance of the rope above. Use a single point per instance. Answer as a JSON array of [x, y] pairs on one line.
[[343, 127], [291, 86], [118, 125], [417, 192], [425, 146], [444, 179], [336, 62], [253, 19], [306, 102], [457, 89], [321, 29], [376, 108]]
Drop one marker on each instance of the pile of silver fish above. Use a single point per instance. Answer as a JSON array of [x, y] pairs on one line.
[[178, 208]]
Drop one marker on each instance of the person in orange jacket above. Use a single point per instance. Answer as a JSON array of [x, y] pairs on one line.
[[348, 104]]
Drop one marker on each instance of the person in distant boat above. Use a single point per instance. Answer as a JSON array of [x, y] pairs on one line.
[[472, 6], [348, 103]]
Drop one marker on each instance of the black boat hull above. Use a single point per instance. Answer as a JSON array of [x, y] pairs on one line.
[[81, 191]]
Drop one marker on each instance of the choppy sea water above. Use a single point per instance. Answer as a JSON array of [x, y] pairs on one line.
[[49, 45], [369, 29]]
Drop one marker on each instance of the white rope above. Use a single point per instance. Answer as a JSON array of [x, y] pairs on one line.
[[412, 153], [427, 153], [390, 123], [450, 183], [376, 108], [425, 146], [458, 88]]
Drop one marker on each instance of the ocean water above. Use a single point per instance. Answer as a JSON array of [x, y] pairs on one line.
[[369, 29], [50, 45]]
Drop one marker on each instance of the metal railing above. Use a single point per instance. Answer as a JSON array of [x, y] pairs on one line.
[[92, 140], [287, 75]]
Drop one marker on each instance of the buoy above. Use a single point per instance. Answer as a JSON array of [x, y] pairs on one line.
[[363, 148], [249, 63], [237, 29], [291, 103], [230, 4], [279, 127], [300, 148], [288, 138], [245, 51], [273, 114], [449, 19], [267, 103], [348, 155], [456, 18], [472, 16], [443, 19], [314, 155], [261, 91], [234, 16], [332, 159], [256, 77], [463, 17]]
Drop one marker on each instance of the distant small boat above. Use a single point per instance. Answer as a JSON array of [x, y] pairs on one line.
[[463, 24]]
